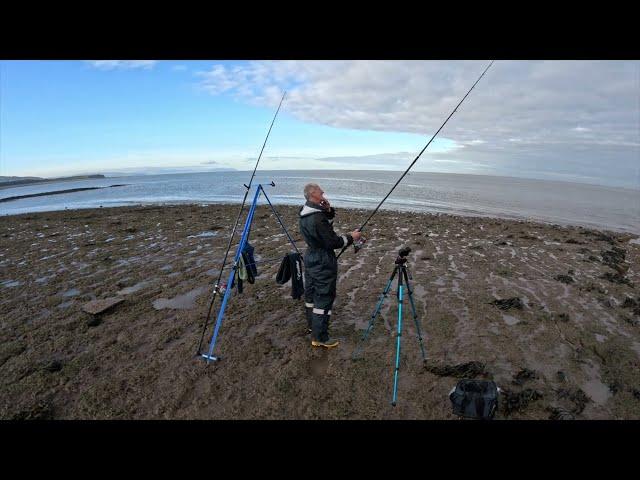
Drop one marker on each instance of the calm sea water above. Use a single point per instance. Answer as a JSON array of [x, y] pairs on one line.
[[475, 195]]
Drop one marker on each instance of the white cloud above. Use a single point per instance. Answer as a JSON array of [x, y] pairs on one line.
[[122, 64], [548, 110]]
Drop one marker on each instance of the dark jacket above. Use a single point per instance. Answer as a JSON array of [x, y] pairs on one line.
[[316, 226], [291, 268]]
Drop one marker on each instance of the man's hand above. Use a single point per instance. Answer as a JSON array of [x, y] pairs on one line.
[[355, 235], [324, 203]]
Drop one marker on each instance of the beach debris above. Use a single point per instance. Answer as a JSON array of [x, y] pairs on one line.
[[636, 393], [603, 237], [524, 375], [53, 366], [615, 258], [559, 413], [563, 317], [561, 376], [513, 402], [508, 303], [565, 279], [41, 410], [462, 370], [101, 305], [629, 302], [577, 397], [616, 278], [574, 241], [615, 386]]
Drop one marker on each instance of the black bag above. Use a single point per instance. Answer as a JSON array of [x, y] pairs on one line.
[[475, 399]]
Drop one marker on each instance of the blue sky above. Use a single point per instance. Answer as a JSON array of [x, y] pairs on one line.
[[573, 121]]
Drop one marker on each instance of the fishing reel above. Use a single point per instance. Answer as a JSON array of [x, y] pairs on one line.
[[358, 244]]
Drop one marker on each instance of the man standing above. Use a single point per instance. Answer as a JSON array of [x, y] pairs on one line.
[[321, 264]]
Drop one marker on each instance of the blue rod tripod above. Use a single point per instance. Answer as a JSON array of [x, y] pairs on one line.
[[401, 271], [243, 241]]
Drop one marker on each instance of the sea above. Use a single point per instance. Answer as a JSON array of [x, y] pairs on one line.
[[562, 203]]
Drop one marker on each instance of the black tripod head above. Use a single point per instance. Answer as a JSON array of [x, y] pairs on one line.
[[402, 255]]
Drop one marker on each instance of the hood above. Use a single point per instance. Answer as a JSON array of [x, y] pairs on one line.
[[310, 208]]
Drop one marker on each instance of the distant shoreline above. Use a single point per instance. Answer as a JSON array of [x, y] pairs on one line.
[[30, 181], [55, 192]]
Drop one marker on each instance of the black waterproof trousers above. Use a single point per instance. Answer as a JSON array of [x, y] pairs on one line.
[[320, 278]]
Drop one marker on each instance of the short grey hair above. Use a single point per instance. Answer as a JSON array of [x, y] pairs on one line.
[[308, 188]]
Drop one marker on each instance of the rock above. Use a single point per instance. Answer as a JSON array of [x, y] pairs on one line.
[[616, 278], [561, 414], [96, 307], [41, 410], [53, 366], [578, 397], [524, 375], [564, 279], [561, 376], [614, 257], [463, 370], [512, 402], [94, 321], [563, 317], [507, 303]]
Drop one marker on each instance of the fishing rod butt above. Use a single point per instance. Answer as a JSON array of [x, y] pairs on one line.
[[210, 358]]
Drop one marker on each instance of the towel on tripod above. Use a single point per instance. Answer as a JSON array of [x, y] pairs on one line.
[[291, 269]]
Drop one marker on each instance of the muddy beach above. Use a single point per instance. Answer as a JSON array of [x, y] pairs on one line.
[[551, 313]]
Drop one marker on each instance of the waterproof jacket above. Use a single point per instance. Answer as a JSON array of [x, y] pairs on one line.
[[316, 226]]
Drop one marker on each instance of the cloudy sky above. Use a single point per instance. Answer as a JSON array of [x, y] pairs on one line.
[[562, 120]]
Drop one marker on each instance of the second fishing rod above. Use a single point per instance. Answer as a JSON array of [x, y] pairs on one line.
[[235, 228], [357, 246]]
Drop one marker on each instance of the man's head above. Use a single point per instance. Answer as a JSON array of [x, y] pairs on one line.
[[313, 193]]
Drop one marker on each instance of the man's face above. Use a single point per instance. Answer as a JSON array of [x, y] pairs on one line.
[[317, 195]]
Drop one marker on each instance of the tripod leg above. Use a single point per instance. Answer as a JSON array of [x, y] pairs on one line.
[[399, 336], [415, 315], [375, 314]]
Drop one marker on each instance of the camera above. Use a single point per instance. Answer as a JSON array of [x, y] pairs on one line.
[[402, 255]]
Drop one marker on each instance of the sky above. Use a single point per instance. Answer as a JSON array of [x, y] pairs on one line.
[[575, 121]]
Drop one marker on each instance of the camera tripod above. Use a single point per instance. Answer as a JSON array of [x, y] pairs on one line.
[[401, 271]]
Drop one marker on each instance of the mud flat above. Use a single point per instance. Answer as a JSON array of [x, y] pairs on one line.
[[551, 313]]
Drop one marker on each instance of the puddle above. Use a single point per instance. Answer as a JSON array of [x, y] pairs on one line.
[[204, 234], [509, 320], [594, 388], [134, 288], [74, 292], [185, 301]]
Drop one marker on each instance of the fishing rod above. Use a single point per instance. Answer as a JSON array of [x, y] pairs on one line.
[[416, 159], [235, 227]]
